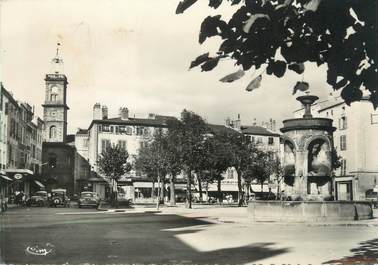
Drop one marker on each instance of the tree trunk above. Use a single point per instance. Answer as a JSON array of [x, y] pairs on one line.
[[220, 197], [262, 185], [172, 190], [158, 196], [199, 186], [153, 189], [240, 188], [188, 203], [162, 189]]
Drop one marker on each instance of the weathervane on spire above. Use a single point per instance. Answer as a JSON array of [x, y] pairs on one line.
[[57, 50], [57, 62]]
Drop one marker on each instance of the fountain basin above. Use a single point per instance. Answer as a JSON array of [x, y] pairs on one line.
[[308, 124], [309, 211]]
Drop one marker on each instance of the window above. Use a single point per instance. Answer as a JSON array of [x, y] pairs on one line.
[[52, 132], [85, 143], [139, 131], [230, 173], [105, 144], [342, 123], [343, 142], [53, 97], [270, 140], [129, 130], [52, 160], [259, 140], [122, 144], [343, 167], [105, 128], [374, 118]]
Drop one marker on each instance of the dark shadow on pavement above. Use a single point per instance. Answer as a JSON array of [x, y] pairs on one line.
[[116, 238], [365, 253]]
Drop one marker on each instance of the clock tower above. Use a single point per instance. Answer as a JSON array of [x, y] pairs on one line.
[[55, 106]]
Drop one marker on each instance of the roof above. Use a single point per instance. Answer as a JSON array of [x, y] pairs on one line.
[[215, 128], [326, 104], [70, 138], [258, 130], [161, 121], [9, 96], [82, 131]]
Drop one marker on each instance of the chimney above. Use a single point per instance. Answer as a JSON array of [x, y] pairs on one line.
[[152, 116], [237, 123], [97, 111], [104, 112], [124, 113], [254, 122]]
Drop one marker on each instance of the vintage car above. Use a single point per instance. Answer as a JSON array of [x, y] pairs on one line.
[[40, 198], [59, 198], [89, 199]]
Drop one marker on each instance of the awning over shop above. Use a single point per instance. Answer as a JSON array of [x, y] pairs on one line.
[[39, 184], [19, 171], [5, 177], [138, 184], [224, 187], [97, 180]]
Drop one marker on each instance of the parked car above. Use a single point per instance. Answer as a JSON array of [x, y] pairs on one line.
[[372, 196], [39, 198], [59, 197], [88, 198]]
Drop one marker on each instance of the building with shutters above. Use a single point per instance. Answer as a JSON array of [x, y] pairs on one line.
[[125, 131], [20, 146]]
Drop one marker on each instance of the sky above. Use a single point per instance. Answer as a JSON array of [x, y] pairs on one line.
[[134, 54]]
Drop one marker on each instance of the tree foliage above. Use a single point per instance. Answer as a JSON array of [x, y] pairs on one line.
[[281, 35], [113, 162]]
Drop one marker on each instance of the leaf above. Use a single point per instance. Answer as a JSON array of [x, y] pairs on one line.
[[199, 60], [285, 4], [210, 26], [183, 5], [254, 84], [251, 20], [301, 86], [232, 77], [210, 64], [278, 68], [297, 67], [351, 92], [312, 5], [215, 3]]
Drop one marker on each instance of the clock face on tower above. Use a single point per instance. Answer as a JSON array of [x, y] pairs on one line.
[[54, 89]]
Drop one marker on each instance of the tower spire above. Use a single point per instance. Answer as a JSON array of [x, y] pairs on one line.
[[57, 62], [57, 50]]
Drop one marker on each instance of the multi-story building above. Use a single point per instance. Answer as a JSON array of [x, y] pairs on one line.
[[127, 132], [356, 141], [20, 147]]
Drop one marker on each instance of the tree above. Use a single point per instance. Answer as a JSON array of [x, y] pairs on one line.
[[215, 160], [241, 154], [173, 157], [189, 132], [113, 164], [284, 34], [152, 160]]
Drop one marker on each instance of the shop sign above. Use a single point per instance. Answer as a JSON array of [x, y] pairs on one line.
[[18, 176]]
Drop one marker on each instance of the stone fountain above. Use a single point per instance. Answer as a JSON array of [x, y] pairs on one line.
[[307, 163]]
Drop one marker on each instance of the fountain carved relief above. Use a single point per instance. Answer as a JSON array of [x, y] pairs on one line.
[[307, 154]]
